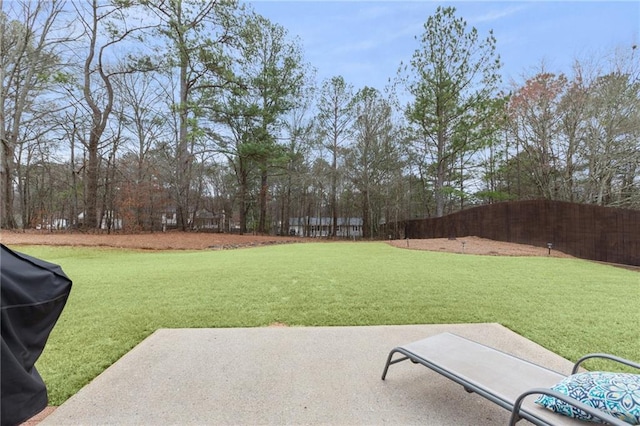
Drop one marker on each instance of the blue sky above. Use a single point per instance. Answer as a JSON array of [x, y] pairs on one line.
[[365, 41]]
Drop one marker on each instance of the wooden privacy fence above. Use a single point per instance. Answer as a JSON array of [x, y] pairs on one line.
[[587, 231]]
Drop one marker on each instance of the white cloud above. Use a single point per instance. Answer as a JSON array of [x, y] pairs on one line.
[[495, 15]]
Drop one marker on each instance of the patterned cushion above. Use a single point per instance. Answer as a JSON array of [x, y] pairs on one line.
[[615, 393]]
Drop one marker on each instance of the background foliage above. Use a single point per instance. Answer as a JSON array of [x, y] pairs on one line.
[[122, 113]]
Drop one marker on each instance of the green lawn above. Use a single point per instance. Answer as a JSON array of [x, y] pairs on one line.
[[119, 297]]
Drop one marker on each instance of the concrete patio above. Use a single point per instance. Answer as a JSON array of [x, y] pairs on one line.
[[288, 375]]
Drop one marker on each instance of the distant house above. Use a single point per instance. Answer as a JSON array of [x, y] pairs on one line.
[[202, 220], [206, 220], [348, 227], [53, 224], [109, 220], [169, 220]]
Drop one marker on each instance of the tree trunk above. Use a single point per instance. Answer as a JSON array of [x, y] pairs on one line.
[[264, 187], [91, 211], [243, 204], [334, 188], [6, 171], [286, 209], [366, 217], [438, 188], [182, 154]]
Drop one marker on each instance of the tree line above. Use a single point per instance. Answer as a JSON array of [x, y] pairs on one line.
[[156, 112]]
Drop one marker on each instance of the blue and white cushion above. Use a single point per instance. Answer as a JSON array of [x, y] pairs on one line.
[[615, 393]]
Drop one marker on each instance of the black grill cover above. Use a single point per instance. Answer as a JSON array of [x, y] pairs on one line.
[[34, 293]]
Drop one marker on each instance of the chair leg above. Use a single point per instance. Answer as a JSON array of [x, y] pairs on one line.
[[389, 362]]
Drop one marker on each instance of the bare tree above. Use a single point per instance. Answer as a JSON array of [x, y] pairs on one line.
[[143, 119], [372, 158], [535, 125], [298, 131], [335, 116], [577, 139], [104, 27], [28, 66], [199, 34], [611, 145], [572, 112]]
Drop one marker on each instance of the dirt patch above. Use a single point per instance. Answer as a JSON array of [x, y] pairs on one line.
[[148, 241], [476, 245], [207, 241]]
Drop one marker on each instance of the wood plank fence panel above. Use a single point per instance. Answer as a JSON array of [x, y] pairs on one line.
[[582, 230]]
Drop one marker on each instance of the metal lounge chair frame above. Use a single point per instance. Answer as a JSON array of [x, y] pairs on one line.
[[501, 378]]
